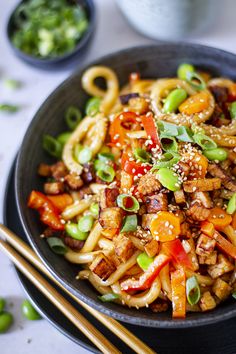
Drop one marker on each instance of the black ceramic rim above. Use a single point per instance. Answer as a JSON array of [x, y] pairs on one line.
[[207, 318], [50, 61]]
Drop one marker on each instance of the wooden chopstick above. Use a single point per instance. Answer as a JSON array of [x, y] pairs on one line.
[[114, 326]]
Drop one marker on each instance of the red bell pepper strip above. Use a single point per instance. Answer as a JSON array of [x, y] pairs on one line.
[[61, 201], [120, 126], [178, 289], [132, 167], [151, 130], [176, 251], [148, 277], [49, 214]]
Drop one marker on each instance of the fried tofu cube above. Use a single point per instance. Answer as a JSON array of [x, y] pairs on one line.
[[108, 197], [59, 170], [205, 245], [152, 248], [209, 260], [156, 202], [221, 289], [44, 170], [207, 301], [179, 197], [102, 266], [111, 218], [124, 247], [148, 184], [146, 220], [222, 266], [53, 188], [74, 181]]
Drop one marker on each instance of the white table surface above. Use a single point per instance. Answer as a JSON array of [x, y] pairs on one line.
[[112, 33]]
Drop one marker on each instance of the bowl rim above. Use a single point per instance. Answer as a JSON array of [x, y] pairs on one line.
[[58, 59], [211, 317]]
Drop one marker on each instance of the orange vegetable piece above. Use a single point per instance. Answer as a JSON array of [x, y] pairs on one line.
[[224, 245], [219, 218], [109, 233], [178, 286], [165, 226], [61, 201], [195, 104], [207, 228], [199, 163], [234, 221]]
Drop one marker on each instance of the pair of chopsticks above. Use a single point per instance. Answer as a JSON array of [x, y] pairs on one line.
[[97, 338]]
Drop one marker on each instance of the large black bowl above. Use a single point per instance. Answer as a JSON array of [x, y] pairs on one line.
[[151, 62]]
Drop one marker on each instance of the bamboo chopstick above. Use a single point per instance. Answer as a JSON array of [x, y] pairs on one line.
[[119, 330]]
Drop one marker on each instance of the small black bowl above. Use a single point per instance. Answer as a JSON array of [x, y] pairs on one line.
[[152, 62], [57, 62]]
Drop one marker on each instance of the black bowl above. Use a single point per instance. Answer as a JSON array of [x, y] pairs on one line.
[[151, 61], [60, 61]]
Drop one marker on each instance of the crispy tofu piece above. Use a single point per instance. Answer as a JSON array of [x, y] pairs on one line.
[[44, 170], [205, 245], [222, 266], [185, 230], [124, 247], [152, 248], [111, 218], [216, 171], [59, 170], [203, 198], [191, 253], [179, 197], [139, 104], [221, 289], [202, 185], [146, 220], [102, 266], [74, 181], [184, 168], [148, 184], [157, 202], [197, 212], [108, 197], [209, 260], [207, 301], [53, 188]]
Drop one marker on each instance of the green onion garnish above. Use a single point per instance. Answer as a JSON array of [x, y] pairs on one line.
[[63, 137], [94, 208], [106, 156], [72, 117], [85, 155], [183, 70], [52, 146], [106, 173], [232, 110], [185, 134], [128, 202], [130, 223], [100, 165], [168, 128], [204, 141], [92, 106], [142, 155], [168, 143], [168, 179], [73, 231], [231, 208], [168, 159], [9, 108], [85, 223], [234, 295], [144, 261], [108, 297], [57, 245], [192, 290], [196, 81]]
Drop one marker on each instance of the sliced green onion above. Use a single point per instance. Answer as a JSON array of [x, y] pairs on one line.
[[57, 245], [144, 261], [106, 173], [9, 108], [231, 208], [168, 128], [94, 208], [234, 295], [85, 223], [63, 137], [168, 143], [218, 154], [104, 156], [12, 84], [167, 160], [185, 134], [52, 146], [92, 106], [73, 231], [85, 155], [105, 149], [100, 165], [192, 290], [174, 100], [168, 179], [77, 149], [72, 117], [130, 223], [197, 129], [232, 110], [108, 297], [127, 202], [204, 141], [192, 77], [183, 70], [142, 155]]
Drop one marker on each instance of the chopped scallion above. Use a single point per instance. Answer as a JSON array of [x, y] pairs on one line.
[[192, 290], [52, 146], [130, 223], [72, 117], [128, 202], [57, 245], [204, 141], [108, 297]]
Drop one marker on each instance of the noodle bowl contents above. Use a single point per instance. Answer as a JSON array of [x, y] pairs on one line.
[[143, 192]]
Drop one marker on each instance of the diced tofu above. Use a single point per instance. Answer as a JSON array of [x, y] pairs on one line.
[[209, 260], [203, 198], [59, 170], [53, 188], [44, 170], [222, 266], [148, 184], [108, 197], [156, 202], [221, 289], [202, 185], [74, 181], [197, 212], [146, 220], [179, 197], [152, 248], [111, 218], [207, 302], [205, 245], [185, 230], [102, 266], [124, 247]]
